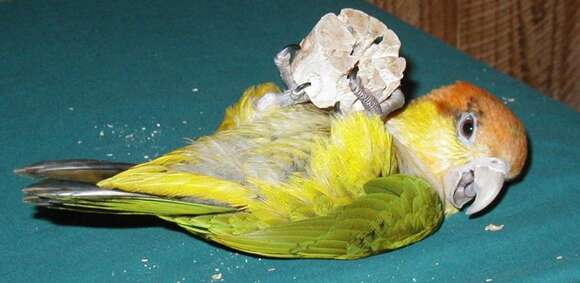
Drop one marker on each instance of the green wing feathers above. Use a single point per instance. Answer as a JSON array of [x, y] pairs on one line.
[[396, 211]]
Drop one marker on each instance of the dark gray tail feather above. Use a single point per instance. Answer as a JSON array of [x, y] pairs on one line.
[[79, 170], [85, 197], [52, 193]]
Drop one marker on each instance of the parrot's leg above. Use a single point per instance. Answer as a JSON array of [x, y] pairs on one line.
[[283, 99], [393, 102], [369, 101]]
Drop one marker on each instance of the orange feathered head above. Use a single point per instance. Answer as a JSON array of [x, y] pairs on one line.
[[462, 139]]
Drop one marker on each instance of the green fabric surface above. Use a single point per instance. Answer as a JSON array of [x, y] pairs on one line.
[[147, 74]]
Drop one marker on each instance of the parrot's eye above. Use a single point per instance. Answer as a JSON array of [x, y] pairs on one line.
[[466, 127]]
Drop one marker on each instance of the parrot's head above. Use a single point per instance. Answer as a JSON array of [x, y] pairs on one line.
[[463, 140]]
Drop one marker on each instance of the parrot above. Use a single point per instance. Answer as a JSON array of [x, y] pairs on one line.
[[282, 178]]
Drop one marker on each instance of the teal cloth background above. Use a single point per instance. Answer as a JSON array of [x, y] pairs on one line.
[[71, 69]]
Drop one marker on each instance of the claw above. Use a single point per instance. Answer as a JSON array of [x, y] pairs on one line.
[[297, 93], [292, 47], [353, 73], [301, 87]]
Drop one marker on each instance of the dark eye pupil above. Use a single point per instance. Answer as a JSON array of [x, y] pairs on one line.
[[467, 128]]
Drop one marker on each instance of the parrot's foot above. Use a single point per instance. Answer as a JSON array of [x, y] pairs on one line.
[[369, 101], [283, 60], [283, 99], [294, 94]]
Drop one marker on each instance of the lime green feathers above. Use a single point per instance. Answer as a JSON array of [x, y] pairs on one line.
[[394, 211]]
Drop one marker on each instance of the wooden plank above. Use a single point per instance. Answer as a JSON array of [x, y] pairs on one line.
[[535, 41]]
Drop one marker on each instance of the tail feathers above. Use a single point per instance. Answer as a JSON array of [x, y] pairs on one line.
[[79, 170], [86, 197]]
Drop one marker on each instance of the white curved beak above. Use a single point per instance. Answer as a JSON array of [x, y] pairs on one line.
[[481, 179]]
